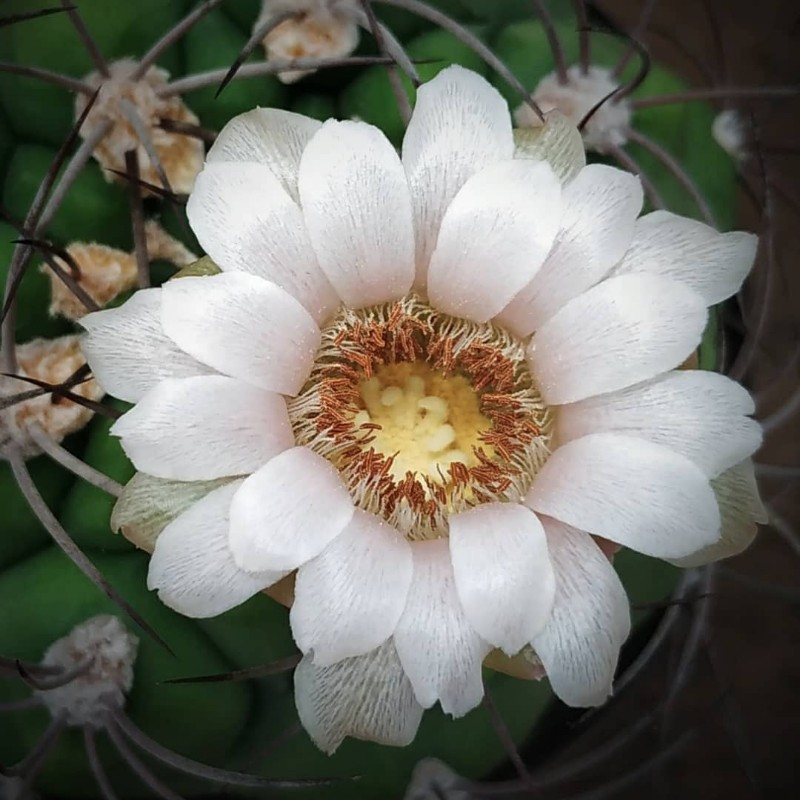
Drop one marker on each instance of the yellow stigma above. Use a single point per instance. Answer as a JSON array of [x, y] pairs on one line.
[[427, 420]]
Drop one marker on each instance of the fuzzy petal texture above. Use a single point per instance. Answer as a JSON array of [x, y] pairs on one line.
[[268, 136], [243, 326], [741, 510], [460, 125], [600, 209], [288, 512], [502, 573], [623, 331], [580, 645], [713, 264], [495, 234], [246, 221], [349, 598], [186, 429], [440, 651], [191, 566], [357, 209], [128, 351], [366, 697], [636, 493], [700, 415]]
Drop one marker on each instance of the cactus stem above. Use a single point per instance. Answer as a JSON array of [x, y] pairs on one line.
[[553, 39], [677, 170], [258, 35], [96, 765], [46, 75], [86, 38], [172, 36], [435, 16], [210, 78], [68, 546], [74, 464]]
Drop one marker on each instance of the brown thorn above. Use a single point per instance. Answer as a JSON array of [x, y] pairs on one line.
[[46, 75], [553, 39], [188, 129], [260, 671], [88, 41], [68, 546], [253, 42], [582, 18], [120, 724], [137, 219], [172, 36], [638, 33], [96, 765], [717, 93], [44, 12]]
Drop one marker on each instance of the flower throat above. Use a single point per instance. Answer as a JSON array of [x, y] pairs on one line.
[[423, 414]]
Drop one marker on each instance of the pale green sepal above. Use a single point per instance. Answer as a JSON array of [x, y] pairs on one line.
[[198, 269], [148, 504], [558, 142]]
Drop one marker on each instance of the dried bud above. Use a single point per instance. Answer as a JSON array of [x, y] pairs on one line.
[[109, 651], [52, 361], [181, 156]]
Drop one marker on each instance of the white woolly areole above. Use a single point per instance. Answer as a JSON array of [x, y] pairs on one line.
[[52, 361], [180, 155], [326, 29], [575, 99], [728, 130], [87, 698]]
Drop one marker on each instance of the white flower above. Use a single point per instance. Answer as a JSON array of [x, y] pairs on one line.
[[430, 382], [324, 29], [583, 92]]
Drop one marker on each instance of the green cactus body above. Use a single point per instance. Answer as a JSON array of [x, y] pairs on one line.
[[42, 595]]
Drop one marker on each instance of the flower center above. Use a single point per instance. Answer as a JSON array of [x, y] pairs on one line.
[[424, 415]]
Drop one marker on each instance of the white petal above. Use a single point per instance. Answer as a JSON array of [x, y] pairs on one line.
[[128, 351], [460, 125], [740, 508], [349, 598], [502, 572], [623, 331], [288, 512], [700, 415], [246, 221], [192, 567], [243, 326], [358, 212], [366, 697], [191, 429], [714, 264], [600, 208], [495, 234], [440, 651], [580, 646], [268, 136], [635, 493]]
